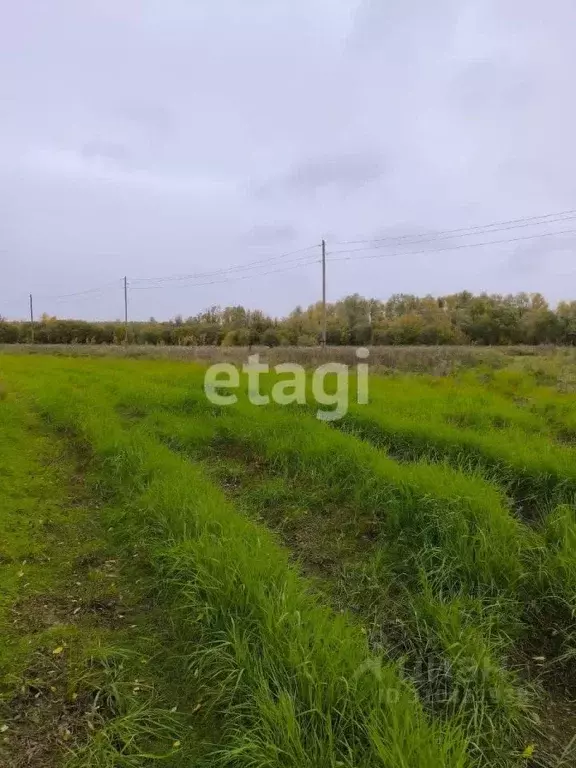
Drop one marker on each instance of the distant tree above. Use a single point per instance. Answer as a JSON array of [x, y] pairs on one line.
[[307, 340], [270, 337], [9, 332], [237, 338], [460, 318]]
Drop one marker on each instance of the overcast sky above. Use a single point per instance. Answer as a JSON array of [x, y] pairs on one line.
[[166, 137]]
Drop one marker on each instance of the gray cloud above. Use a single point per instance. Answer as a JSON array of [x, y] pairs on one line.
[[271, 234], [109, 150], [160, 138], [345, 172], [490, 85], [531, 258]]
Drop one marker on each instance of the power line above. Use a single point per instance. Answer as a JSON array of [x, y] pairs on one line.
[[526, 221], [161, 281], [81, 293], [226, 280], [422, 239], [11, 303], [225, 270], [449, 248], [469, 234], [166, 282], [303, 257]]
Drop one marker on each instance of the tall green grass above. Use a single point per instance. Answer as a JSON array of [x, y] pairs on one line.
[[448, 560], [456, 526], [433, 547], [323, 470], [294, 683], [410, 505], [81, 705], [547, 392], [553, 607], [470, 428]]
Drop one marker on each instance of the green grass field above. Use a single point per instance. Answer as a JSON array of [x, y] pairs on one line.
[[184, 584]]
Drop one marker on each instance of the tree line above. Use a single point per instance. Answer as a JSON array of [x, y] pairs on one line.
[[460, 318]]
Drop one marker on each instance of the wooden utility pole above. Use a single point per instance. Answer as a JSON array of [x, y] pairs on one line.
[[323, 293], [370, 306], [126, 309], [31, 320]]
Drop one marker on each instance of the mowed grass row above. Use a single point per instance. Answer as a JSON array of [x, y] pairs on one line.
[[465, 520], [330, 484], [522, 441], [310, 467], [546, 390], [82, 683], [295, 683], [455, 627], [178, 387], [472, 428], [455, 525], [417, 602]]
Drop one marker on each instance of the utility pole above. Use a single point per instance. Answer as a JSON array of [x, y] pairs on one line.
[[370, 306], [31, 320], [323, 293], [126, 308]]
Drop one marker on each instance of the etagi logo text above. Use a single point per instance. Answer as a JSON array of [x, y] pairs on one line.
[[222, 378]]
